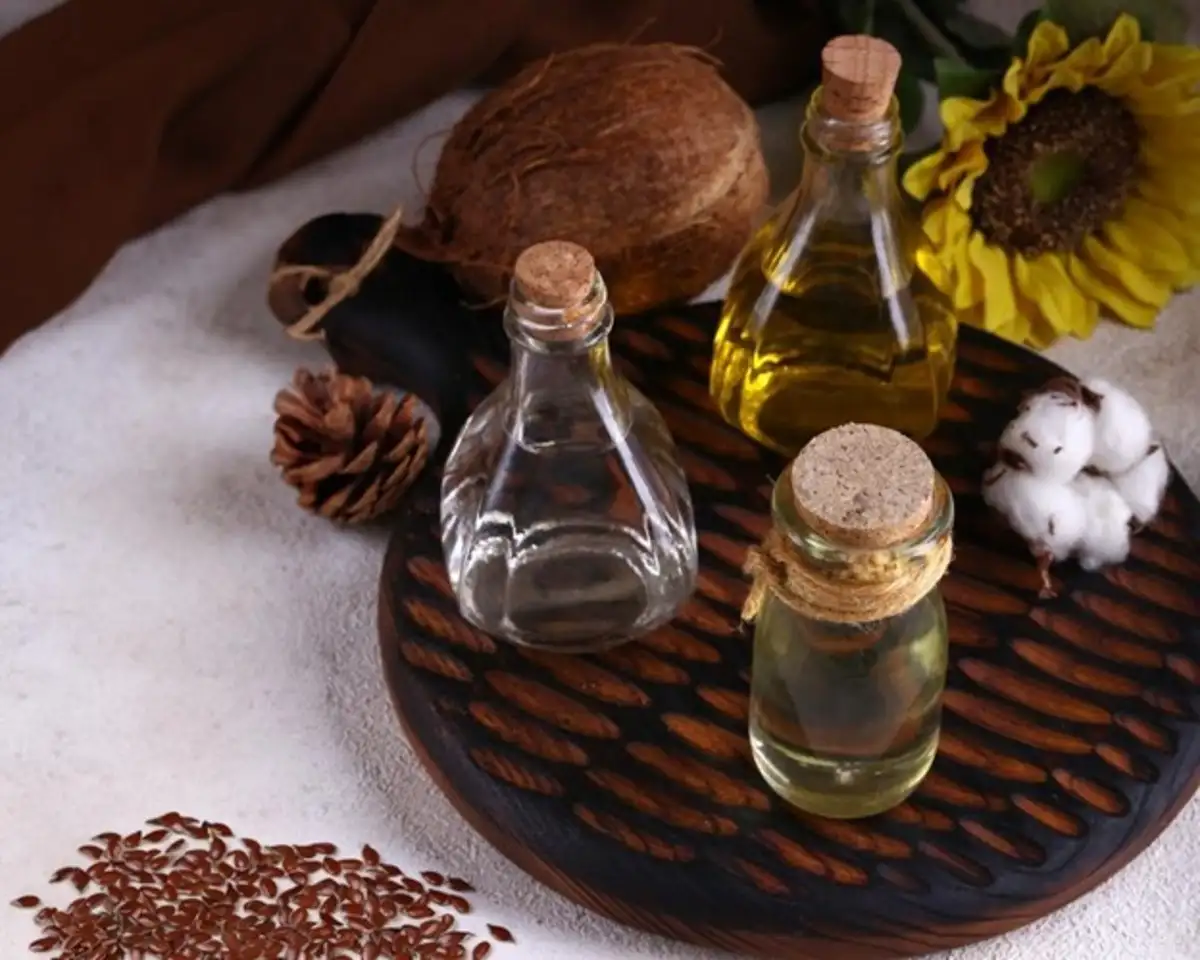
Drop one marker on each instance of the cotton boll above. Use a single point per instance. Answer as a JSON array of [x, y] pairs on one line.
[[1107, 527], [1049, 516], [1123, 432], [1143, 486], [1053, 435]]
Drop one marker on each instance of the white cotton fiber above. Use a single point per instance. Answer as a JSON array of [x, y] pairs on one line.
[[1049, 516], [1123, 434], [1107, 525], [1143, 485], [1079, 471], [1054, 434]]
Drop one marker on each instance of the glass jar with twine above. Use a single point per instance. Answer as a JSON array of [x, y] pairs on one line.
[[850, 639]]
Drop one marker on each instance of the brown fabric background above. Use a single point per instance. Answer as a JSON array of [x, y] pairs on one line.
[[117, 115]]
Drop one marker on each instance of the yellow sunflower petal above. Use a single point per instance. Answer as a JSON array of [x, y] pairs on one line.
[[970, 161], [1136, 282], [1173, 66], [1084, 60], [1045, 281], [1180, 134], [1125, 33], [964, 193], [1170, 186], [970, 285], [960, 111], [947, 259], [1178, 224], [1160, 100], [945, 222], [1109, 295], [1159, 153], [1077, 73], [1039, 333], [1047, 43], [1018, 329], [1123, 70], [1013, 89], [999, 305], [921, 178], [1039, 72], [966, 119], [1144, 234]]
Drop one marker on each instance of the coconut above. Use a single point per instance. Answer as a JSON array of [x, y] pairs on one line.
[[642, 154]]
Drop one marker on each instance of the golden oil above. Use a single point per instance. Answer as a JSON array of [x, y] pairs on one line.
[[828, 319]]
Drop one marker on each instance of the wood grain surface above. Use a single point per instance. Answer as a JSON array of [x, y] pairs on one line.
[[623, 780]]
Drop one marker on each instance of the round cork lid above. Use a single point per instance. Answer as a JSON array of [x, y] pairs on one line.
[[863, 486], [555, 274], [859, 77]]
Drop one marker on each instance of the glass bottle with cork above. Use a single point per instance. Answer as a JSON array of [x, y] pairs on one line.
[[567, 523], [850, 638], [828, 318]]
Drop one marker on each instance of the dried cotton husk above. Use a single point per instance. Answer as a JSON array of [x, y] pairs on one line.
[[640, 153]]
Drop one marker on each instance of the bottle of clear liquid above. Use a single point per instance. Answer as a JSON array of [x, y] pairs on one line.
[[827, 319], [850, 642], [566, 519]]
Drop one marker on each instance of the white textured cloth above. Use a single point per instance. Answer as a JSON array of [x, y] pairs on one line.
[[176, 634]]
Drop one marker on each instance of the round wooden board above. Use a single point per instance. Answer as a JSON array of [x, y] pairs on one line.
[[623, 780]]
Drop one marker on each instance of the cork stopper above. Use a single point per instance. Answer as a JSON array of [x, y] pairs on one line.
[[555, 274], [863, 486], [859, 77]]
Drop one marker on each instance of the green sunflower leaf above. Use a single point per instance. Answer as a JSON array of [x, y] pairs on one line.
[[983, 43], [977, 33], [884, 19], [962, 80], [911, 99], [1166, 21], [893, 26], [850, 16], [940, 9]]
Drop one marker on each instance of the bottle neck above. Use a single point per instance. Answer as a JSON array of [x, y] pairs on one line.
[[851, 164], [564, 389], [849, 196]]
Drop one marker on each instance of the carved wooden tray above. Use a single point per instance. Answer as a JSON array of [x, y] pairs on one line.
[[623, 780]]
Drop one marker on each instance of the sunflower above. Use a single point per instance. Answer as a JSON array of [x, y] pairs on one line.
[[1073, 189]]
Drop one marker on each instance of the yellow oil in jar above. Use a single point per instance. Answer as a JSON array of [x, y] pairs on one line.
[[829, 336]]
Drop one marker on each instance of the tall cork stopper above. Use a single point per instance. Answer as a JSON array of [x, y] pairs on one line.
[[863, 486], [859, 77]]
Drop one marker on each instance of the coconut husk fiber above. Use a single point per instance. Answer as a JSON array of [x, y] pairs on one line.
[[642, 154]]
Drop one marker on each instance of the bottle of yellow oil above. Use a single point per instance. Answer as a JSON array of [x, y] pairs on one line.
[[829, 319]]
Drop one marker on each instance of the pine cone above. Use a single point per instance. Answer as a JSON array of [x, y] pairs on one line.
[[349, 448]]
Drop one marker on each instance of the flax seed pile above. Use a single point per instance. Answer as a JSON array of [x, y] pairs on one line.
[[185, 888]]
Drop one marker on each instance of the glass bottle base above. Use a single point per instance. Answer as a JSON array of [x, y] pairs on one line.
[[577, 593], [840, 788]]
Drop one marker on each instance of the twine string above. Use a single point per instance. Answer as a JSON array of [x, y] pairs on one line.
[[873, 586], [339, 284]]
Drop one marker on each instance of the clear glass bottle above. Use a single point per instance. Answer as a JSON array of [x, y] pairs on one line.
[[845, 713], [566, 519], [828, 319]]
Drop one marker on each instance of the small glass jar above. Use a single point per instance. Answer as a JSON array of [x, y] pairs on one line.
[[846, 712], [567, 523]]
